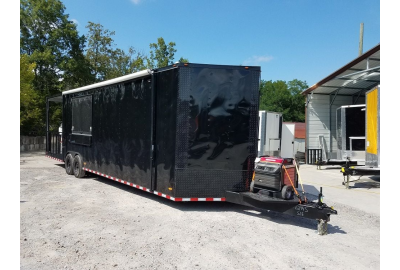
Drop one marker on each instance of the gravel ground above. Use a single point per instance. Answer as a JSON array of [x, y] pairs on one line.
[[96, 223]]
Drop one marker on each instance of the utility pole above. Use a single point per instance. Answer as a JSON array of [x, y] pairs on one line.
[[360, 46]]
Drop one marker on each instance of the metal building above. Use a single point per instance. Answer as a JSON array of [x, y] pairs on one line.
[[346, 86]]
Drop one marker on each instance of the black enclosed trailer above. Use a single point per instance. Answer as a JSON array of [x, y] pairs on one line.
[[186, 132]]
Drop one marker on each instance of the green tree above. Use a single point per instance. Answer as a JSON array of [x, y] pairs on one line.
[[296, 87], [106, 61], [100, 50], [125, 63], [52, 42], [29, 111], [283, 97], [183, 60], [161, 54]]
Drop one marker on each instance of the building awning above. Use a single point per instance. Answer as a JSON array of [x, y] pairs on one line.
[[355, 78]]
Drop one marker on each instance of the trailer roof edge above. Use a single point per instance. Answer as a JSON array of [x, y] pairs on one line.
[[135, 75]]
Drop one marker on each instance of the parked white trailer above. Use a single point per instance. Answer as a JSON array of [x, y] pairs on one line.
[[290, 144], [269, 133]]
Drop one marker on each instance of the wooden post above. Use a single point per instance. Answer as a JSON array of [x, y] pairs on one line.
[[360, 46]]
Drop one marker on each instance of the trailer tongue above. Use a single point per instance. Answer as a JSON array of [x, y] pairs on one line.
[[273, 187], [311, 210]]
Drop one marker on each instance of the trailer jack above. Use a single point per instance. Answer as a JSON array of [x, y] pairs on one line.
[[312, 210]]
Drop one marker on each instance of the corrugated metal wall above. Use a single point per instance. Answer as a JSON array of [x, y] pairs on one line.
[[318, 122]]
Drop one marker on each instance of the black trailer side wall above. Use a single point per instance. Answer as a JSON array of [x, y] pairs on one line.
[[206, 129], [119, 141], [166, 91], [201, 119]]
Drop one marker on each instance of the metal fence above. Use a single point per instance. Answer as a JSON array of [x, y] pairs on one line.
[[313, 155]]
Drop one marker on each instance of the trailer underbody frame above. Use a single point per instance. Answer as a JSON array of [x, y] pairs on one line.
[[348, 171], [310, 210]]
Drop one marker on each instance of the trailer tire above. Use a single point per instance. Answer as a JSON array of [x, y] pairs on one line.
[[287, 193], [78, 167], [69, 160]]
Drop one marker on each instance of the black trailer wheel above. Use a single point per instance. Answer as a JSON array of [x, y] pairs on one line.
[[69, 160], [287, 193], [78, 167]]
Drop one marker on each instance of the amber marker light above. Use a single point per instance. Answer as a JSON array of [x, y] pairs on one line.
[[170, 188]]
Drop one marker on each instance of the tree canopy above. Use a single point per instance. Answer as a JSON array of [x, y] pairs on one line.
[[53, 44], [59, 58], [100, 50], [123, 63], [284, 97], [162, 54], [29, 111]]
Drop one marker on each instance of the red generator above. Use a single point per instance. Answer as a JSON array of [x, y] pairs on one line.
[[276, 177]]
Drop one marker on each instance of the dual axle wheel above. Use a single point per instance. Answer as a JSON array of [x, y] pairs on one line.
[[74, 166]]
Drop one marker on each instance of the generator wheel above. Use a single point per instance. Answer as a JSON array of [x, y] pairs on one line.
[[287, 193], [78, 167], [252, 186], [68, 164]]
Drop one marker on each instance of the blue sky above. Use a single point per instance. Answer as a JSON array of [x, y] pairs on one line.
[[289, 39]]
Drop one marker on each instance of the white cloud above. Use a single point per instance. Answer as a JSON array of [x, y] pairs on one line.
[[257, 60], [136, 2], [75, 21]]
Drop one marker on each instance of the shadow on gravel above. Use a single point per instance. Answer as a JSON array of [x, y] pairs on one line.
[[365, 182], [366, 185], [220, 207]]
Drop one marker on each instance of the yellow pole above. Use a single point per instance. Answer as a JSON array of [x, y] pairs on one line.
[[301, 182]]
